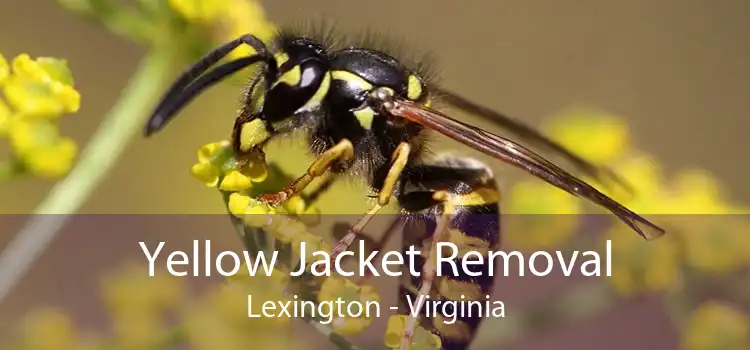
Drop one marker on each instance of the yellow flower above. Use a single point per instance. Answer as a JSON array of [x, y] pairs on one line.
[[644, 174], [542, 216], [201, 11], [262, 288], [6, 116], [288, 230], [643, 266], [244, 17], [278, 278], [422, 339], [219, 320], [44, 69], [211, 159], [697, 192], [596, 136], [231, 18], [42, 87], [137, 330], [27, 135], [313, 243], [132, 291], [216, 161], [207, 152], [41, 148], [715, 243], [4, 69], [334, 288], [238, 204], [717, 326], [205, 172], [49, 329], [235, 181], [294, 205], [52, 161], [37, 92], [137, 303], [253, 213], [297, 206], [310, 217], [691, 192], [537, 197]]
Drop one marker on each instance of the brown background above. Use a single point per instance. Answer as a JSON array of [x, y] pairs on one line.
[[677, 70]]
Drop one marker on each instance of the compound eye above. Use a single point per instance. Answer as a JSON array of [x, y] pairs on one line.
[[416, 90]]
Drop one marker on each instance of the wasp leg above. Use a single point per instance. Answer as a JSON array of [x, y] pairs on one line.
[[341, 152], [398, 162], [429, 273], [453, 200], [315, 194]]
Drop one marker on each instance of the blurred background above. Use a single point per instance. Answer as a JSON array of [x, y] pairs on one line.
[[669, 79]]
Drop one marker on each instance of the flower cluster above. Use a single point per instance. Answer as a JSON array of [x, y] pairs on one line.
[[715, 325], [189, 27], [137, 304], [215, 160], [339, 287], [37, 92], [541, 216], [219, 320], [705, 234], [50, 328], [242, 180], [237, 17], [422, 339], [230, 18], [142, 310]]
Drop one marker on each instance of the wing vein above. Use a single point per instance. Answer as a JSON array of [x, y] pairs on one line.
[[511, 152]]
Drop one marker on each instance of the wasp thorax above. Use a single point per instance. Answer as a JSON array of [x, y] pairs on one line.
[[301, 83]]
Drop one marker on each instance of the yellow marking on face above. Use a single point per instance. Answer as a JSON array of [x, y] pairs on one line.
[[351, 78], [428, 102], [281, 58], [257, 96], [320, 94], [291, 77], [365, 117], [413, 88], [252, 134]]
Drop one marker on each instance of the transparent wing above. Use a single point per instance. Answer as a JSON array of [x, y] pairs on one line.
[[519, 156], [532, 137]]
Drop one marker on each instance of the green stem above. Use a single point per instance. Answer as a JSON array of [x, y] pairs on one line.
[[119, 127]]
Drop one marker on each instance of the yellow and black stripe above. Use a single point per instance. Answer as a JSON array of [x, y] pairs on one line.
[[466, 189]]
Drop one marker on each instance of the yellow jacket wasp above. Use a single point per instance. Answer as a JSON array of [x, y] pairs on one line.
[[366, 114]]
